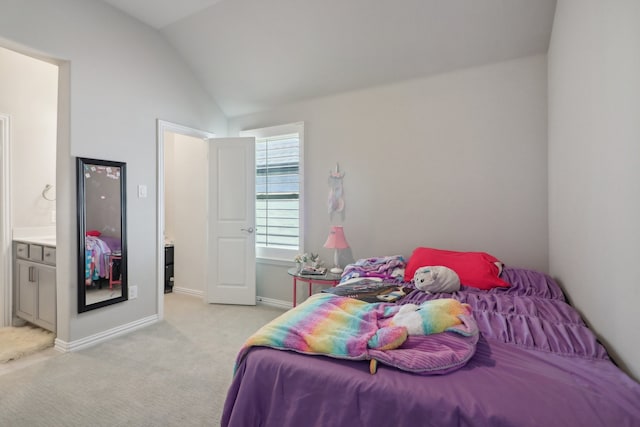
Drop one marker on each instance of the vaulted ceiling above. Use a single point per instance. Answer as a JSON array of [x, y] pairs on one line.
[[253, 55]]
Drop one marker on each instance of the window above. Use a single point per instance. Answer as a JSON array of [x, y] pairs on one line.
[[279, 188]]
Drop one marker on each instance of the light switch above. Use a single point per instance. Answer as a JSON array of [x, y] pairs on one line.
[[142, 191]]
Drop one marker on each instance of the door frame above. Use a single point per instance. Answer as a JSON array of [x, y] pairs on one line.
[[5, 222], [163, 126]]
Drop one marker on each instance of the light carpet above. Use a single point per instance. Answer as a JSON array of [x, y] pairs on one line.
[[16, 342], [173, 373]]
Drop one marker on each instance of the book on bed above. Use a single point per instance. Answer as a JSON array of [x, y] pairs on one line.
[[370, 291]]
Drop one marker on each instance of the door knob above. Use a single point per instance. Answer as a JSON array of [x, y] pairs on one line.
[[248, 230]]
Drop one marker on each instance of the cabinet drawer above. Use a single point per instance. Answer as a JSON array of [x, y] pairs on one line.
[[35, 252], [22, 250], [168, 255], [49, 255], [168, 272]]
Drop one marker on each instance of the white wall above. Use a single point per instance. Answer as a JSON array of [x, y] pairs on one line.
[[456, 161], [186, 208], [29, 94], [117, 77], [594, 178]]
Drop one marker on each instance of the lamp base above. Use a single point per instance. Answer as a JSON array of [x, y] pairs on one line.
[[336, 270]]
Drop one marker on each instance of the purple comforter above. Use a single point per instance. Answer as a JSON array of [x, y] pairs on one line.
[[536, 364]]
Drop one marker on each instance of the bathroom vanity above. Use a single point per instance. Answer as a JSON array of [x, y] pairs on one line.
[[34, 279]]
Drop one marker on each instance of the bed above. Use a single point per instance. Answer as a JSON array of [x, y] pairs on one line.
[[535, 364]]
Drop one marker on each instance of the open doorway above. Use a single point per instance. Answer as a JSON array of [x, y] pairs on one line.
[[182, 210], [29, 92], [5, 225]]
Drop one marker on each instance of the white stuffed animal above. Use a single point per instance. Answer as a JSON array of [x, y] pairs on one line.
[[432, 279]]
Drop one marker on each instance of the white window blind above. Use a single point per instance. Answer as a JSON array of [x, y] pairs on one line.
[[279, 184]]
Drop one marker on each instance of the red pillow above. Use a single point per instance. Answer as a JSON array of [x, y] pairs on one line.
[[475, 269], [94, 233]]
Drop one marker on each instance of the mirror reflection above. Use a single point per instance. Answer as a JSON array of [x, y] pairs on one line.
[[101, 231]]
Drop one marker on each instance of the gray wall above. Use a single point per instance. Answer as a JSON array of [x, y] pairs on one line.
[[116, 78], [102, 203], [594, 178], [456, 161]]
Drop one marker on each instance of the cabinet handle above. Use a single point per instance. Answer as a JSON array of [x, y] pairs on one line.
[[32, 274]]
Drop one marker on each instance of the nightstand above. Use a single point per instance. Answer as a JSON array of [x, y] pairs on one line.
[[168, 268], [327, 279], [115, 277]]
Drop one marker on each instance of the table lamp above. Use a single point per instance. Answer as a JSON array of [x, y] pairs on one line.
[[336, 241]]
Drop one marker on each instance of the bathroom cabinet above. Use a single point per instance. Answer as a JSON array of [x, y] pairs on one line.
[[35, 284]]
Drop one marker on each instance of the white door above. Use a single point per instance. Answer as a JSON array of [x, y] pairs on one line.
[[231, 222]]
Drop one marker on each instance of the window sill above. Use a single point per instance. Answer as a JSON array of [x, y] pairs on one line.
[[276, 262]]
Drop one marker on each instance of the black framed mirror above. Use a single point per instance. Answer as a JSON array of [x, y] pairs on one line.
[[102, 243]]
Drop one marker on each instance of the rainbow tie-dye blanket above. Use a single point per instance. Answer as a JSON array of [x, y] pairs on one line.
[[347, 328]]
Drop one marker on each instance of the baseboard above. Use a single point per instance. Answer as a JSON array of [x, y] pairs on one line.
[[187, 291], [64, 346], [261, 300], [274, 302]]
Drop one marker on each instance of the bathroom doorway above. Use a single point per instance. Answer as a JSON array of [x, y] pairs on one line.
[[182, 210], [28, 147]]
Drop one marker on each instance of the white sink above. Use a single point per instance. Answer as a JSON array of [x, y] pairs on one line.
[[43, 240]]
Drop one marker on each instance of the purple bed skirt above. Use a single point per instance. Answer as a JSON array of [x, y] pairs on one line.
[[536, 364]]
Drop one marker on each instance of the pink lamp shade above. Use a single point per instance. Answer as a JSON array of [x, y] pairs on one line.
[[336, 239]]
